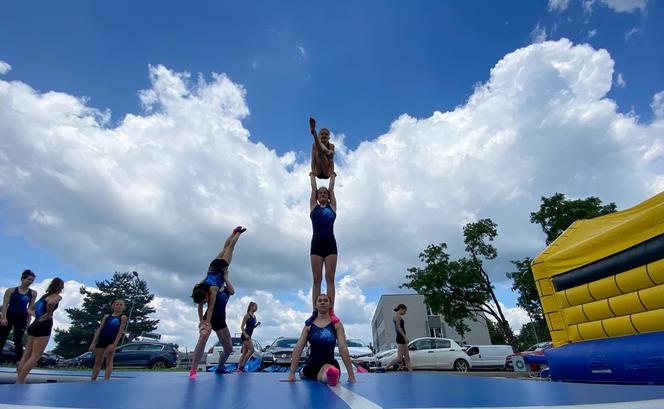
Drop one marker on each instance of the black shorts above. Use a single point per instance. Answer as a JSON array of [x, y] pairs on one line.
[[103, 342], [218, 322], [41, 328], [325, 246], [400, 339], [311, 369], [243, 338]]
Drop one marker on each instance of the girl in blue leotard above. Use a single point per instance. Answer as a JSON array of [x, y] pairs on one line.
[[322, 152], [323, 213], [106, 339], [247, 327], [402, 338], [39, 332], [323, 335], [15, 306], [206, 292]]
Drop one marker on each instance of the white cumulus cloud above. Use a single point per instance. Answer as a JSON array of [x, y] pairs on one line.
[[160, 191], [4, 67], [558, 5], [626, 6], [538, 34]]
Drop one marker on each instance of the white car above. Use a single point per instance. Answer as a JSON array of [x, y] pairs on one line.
[[212, 357], [360, 353], [433, 353], [488, 356]]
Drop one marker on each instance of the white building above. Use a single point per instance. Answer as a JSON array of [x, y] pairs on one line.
[[420, 322]]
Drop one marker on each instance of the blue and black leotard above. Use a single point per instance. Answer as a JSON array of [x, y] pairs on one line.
[[109, 331], [400, 338], [323, 242], [249, 328], [41, 327], [321, 343], [218, 320], [17, 319]]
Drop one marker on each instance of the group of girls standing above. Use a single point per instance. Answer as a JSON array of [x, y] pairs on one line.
[[20, 304], [323, 330]]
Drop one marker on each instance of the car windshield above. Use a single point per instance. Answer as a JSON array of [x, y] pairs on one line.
[[537, 346], [285, 343], [356, 344]]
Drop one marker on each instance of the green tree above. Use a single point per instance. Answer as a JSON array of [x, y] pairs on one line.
[[85, 320], [557, 213], [496, 334], [461, 289], [523, 282], [532, 333]]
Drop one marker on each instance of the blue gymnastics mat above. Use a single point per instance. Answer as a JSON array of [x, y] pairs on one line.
[[373, 391]]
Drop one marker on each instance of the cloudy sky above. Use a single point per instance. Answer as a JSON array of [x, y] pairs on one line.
[[136, 136]]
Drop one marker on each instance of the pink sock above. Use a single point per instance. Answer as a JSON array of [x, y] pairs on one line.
[[332, 376], [192, 374], [333, 317]]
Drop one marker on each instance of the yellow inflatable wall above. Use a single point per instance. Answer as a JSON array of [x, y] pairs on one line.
[[623, 303]]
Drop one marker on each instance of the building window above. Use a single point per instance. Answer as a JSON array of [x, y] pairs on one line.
[[435, 332]]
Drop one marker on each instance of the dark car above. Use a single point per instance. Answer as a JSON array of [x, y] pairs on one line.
[[146, 355], [85, 360], [7, 353], [281, 351], [48, 359]]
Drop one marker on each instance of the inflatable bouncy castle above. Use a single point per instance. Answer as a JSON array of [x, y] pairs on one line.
[[601, 285]]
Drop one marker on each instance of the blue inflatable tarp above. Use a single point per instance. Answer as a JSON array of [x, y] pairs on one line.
[[632, 359]]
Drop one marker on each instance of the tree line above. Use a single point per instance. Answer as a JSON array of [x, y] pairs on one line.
[[461, 289], [84, 320]]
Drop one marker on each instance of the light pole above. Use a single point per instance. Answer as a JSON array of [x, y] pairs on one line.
[[133, 300]]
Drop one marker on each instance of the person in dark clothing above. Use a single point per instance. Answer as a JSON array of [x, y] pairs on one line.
[[15, 306], [322, 335]]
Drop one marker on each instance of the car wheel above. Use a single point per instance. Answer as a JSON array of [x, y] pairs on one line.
[[158, 365], [460, 365]]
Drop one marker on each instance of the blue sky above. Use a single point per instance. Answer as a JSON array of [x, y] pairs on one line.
[[355, 66]]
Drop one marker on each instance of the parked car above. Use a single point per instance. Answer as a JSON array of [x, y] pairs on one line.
[[360, 353], [281, 351], [85, 360], [146, 354], [212, 357], [537, 349], [7, 355], [488, 356], [48, 359], [433, 353]]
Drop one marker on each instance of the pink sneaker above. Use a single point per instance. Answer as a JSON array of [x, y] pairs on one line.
[[333, 317], [192, 374], [332, 376]]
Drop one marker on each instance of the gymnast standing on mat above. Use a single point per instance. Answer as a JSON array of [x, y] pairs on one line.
[[323, 335], [39, 331], [247, 327], [106, 339], [15, 306], [215, 289], [323, 213], [402, 338]]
